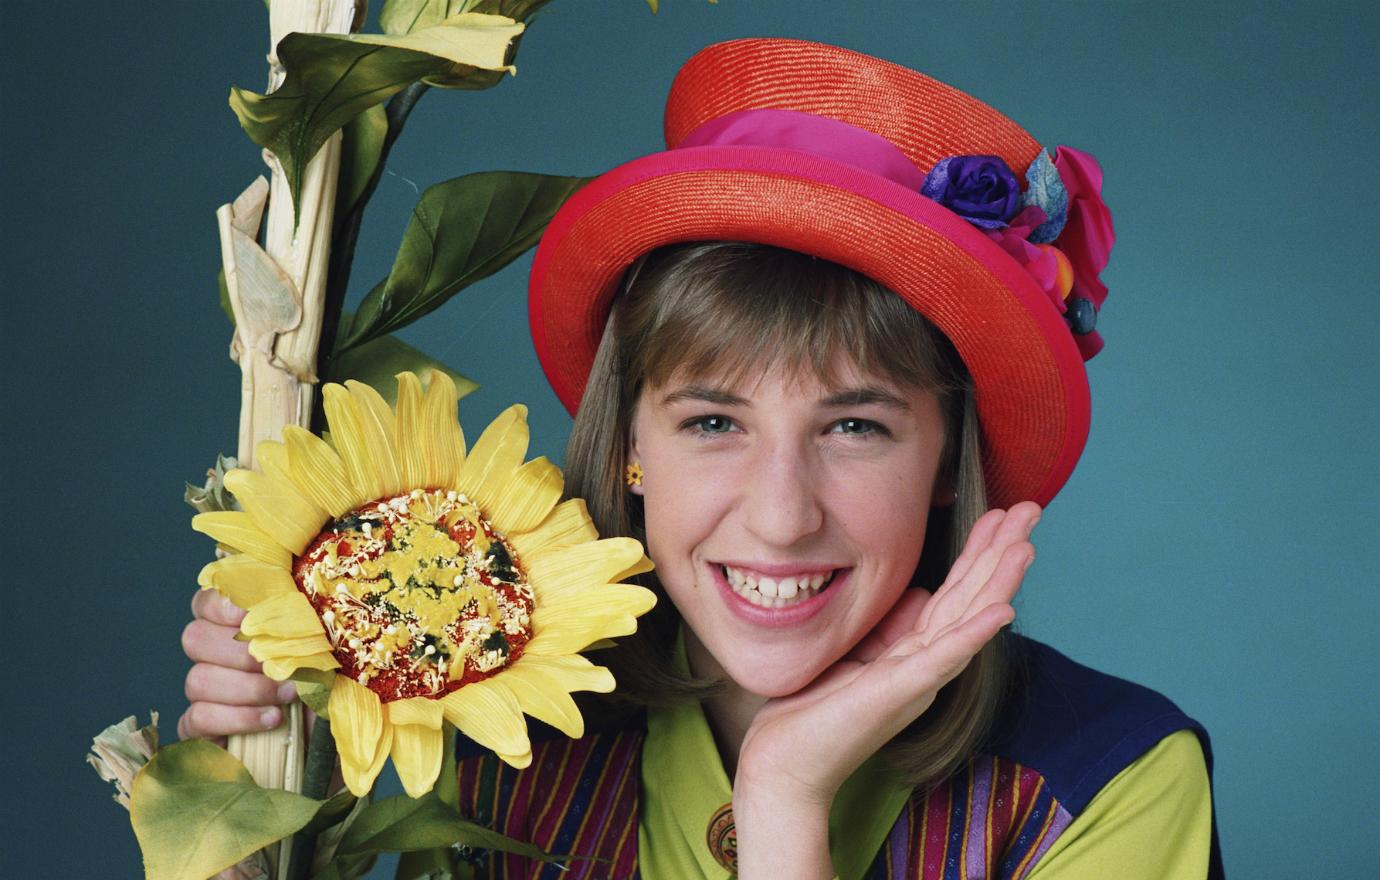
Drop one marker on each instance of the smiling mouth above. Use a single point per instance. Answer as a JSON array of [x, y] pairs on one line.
[[769, 592]]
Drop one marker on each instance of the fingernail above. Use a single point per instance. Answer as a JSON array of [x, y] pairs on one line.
[[287, 692], [1029, 560], [1031, 528], [270, 717]]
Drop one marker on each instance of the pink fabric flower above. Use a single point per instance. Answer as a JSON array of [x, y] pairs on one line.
[[1088, 236], [1038, 260]]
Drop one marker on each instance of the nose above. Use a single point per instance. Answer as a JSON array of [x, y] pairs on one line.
[[781, 503]]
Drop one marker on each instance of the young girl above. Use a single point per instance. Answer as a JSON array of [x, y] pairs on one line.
[[807, 347]]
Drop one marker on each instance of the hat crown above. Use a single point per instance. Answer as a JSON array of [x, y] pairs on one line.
[[925, 118]]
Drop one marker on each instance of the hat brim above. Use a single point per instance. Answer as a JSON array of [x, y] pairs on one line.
[[1031, 388]]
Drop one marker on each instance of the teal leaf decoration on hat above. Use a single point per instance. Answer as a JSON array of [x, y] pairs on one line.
[[1045, 189]]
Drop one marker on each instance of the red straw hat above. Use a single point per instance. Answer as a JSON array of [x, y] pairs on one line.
[[826, 151]]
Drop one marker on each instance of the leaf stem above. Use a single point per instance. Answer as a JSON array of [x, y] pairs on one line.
[[316, 785], [345, 238]]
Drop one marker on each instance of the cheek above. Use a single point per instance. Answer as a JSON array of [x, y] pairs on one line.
[[886, 519], [678, 513]]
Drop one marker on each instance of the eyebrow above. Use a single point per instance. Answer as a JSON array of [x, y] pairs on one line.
[[704, 393], [864, 396], [861, 396]]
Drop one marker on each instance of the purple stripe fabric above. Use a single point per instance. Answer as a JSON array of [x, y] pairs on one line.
[[976, 856]]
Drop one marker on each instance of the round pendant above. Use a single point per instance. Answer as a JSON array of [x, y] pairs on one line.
[[722, 838]]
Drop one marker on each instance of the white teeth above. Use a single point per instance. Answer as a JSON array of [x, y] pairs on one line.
[[769, 592]]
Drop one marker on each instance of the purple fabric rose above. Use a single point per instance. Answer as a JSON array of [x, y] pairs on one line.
[[980, 189]]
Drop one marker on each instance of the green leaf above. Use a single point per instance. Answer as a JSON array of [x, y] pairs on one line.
[[332, 78], [360, 150], [345, 868], [399, 17], [461, 230], [427, 864], [196, 811], [404, 824], [314, 689], [448, 784], [376, 363], [225, 297], [332, 811]]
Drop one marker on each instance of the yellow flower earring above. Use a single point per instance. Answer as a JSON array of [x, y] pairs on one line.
[[632, 474]]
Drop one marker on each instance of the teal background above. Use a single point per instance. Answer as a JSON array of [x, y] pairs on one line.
[[1218, 542]]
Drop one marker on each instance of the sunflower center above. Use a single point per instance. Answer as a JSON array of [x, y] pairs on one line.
[[418, 594]]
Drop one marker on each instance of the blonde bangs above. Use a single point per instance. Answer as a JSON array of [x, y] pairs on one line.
[[732, 310]]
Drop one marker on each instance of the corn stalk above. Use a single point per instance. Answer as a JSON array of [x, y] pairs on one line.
[[277, 292]]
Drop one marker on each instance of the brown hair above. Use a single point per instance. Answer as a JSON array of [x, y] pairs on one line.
[[725, 308]]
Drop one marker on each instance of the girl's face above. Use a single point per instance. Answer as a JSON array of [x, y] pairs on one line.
[[785, 517]]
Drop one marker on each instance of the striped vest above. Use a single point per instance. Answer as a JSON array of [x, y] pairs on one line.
[[1058, 741]]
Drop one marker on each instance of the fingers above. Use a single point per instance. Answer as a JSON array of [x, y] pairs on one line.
[[212, 606], [207, 642], [217, 684], [1014, 528], [999, 588], [897, 623], [994, 534], [979, 537], [935, 661], [216, 720]]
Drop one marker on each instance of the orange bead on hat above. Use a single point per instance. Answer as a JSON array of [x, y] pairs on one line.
[[857, 160]]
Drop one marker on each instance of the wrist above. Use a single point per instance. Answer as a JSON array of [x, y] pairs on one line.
[[781, 833]]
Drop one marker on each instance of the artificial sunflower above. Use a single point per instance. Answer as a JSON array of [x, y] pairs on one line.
[[427, 586]]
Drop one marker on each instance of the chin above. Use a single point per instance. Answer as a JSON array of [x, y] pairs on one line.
[[771, 680]]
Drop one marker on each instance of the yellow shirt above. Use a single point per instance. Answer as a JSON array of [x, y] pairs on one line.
[[1152, 821]]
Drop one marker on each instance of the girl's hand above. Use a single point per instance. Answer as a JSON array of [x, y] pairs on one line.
[[226, 687], [800, 748]]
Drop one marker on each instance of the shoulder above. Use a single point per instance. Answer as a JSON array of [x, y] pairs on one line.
[[1064, 782], [607, 727], [551, 801], [1078, 727]]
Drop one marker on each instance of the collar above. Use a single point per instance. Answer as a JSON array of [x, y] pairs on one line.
[[684, 785]]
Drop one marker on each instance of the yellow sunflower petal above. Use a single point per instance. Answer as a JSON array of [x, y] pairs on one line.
[[639, 565], [316, 469], [417, 710], [417, 752], [409, 438], [568, 523], [378, 426], [281, 669], [285, 616], [559, 571], [496, 455], [351, 441], [359, 728], [296, 648], [572, 671], [488, 713], [271, 457], [529, 496], [572, 624], [542, 687], [441, 438], [245, 580], [277, 508], [519, 761], [235, 529]]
